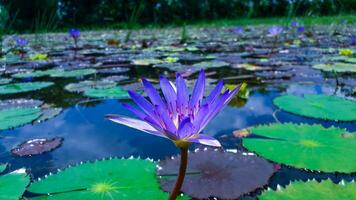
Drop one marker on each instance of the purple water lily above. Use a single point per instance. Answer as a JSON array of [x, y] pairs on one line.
[[300, 29], [74, 33], [294, 23], [238, 30], [353, 40], [275, 31], [21, 42], [179, 116]]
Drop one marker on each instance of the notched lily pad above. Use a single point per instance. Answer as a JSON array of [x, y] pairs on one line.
[[85, 85], [72, 73], [13, 185], [305, 146], [105, 180], [336, 67], [23, 87], [326, 190], [36, 147], [318, 106], [215, 173], [14, 117], [113, 92], [211, 64]]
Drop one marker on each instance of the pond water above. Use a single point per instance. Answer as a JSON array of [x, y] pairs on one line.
[[88, 136]]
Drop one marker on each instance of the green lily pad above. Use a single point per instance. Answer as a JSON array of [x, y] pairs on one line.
[[336, 67], [85, 85], [23, 87], [318, 106], [14, 117], [5, 80], [13, 185], [146, 61], [107, 179], [311, 190], [249, 66], [211, 64], [36, 73], [72, 73], [2, 167], [114, 92], [305, 146]]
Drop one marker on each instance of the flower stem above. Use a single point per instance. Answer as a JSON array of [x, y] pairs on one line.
[[182, 170]]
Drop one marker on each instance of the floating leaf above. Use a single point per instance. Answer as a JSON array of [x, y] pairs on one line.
[[23, 87], [107, 179], [114, 92], [336, 67], [48, 113], [311, 190], [36, 73], [345, 52], [14, 117], [211, 64], [72, 73], [214, 173], [38, 56], [146, 61], [2, 167], [36, 146], [19, 103], [318, 106], [5, 80], [243, 92], [85, 85], [13, 185], [248, 66], [305, 146]]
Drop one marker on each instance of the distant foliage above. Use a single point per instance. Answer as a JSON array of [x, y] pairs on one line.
[[47, 14]]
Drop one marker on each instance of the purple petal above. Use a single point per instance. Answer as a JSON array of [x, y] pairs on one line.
[[169, 94], [215, 93], [214, 109], [152, 93], [165, 119], [134, 123], [199, 117], [182, 94], [206, 140], [144, 117], [198, 91], [185, 129]]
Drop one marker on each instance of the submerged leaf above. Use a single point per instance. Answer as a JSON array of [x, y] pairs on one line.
[[37, 146], [215, 173]]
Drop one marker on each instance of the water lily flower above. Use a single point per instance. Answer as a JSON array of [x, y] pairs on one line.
[[178, 116], [238, 30], [21, 42], [74, 33], [294, 23], [275, 31], [300, 29], [353, 40]]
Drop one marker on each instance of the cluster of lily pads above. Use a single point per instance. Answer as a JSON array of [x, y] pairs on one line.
[[101, 68]]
